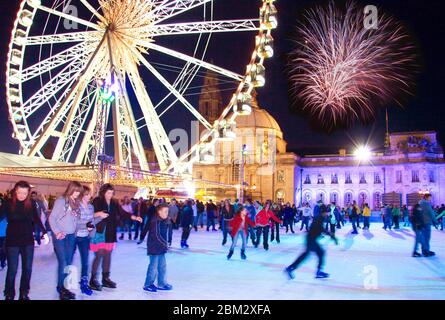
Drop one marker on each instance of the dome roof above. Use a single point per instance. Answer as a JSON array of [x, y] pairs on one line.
[[259, 118]]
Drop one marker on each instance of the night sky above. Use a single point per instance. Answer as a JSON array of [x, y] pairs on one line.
[[423, 19]]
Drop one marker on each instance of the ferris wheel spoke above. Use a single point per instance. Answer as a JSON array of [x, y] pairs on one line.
[[86, 104], [77, 52], [93, 11], [69, 17], [176, 93], [66, 77], [64, 38], [129, 118], [195, 61], [160, 141], [204, 27], [77, 89], [173, 8]]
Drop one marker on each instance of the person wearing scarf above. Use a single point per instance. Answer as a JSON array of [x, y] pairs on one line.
[[63, 222]]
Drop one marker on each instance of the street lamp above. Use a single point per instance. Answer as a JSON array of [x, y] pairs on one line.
[[363, 153]]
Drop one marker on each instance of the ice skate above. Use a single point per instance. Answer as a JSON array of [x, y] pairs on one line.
[[321, 275], [230, 255], [167, 287], [243, 255], [151, 288], [290, 273], [84, 287]]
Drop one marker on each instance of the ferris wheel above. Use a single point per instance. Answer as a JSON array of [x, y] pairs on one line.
[[75, 77]]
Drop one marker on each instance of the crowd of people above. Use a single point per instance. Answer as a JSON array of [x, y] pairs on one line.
[[77, 221]]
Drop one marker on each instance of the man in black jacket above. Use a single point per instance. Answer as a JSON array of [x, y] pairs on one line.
[[315, 231]]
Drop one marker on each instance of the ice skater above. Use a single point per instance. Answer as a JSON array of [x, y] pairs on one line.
[[157, 247], [239, 225], [315, 231]]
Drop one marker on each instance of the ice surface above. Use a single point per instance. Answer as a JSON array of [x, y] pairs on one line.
[[203, 272]]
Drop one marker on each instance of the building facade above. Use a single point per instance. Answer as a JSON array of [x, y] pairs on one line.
[[413, 164]]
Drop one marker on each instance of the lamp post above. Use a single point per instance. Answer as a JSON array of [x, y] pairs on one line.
[[301, 187], [242, 182]]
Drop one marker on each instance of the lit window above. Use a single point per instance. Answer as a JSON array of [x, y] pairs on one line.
[[415, 176], [377, 179], [362, 178], [398, 176], [320, 179], [307, 180], [348, 177], [432, 177], [334, 178]]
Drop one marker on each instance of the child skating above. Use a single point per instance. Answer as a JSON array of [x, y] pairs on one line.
[[240, 224], [315, 231], [157, 246]]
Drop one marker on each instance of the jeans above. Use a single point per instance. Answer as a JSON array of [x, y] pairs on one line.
[[426, 237], [64, 250], [386, 222], [225, 230], [305, 223], [289, 223], [83, 244], [12, 255], [235, 240], [251, 234], [366, 223], [332, 228], [265, 232], [275, 234], [2, 252], [419, 240], [37, 235], [354, 221], [170, 233], [157, 268], [138, 227], [396, 220], [201, 219], [311, 246], [185, 233], [211, 221], [195, 222]]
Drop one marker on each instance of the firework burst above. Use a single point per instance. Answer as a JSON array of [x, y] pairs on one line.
[[343, 71]]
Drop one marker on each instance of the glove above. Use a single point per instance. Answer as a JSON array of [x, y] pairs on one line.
[[45, 239]]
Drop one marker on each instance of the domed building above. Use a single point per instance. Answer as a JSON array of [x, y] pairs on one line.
[[269, 170]]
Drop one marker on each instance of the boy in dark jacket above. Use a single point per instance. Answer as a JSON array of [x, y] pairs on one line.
[[157, 247], [314, 233]]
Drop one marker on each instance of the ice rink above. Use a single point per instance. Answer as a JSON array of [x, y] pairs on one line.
[[371, 265]]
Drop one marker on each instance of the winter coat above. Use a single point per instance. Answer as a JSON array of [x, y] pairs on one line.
[[416, 218], [396, 212], [228, 215], [366, 212], [21, 223], [263, 217], [236, 222], [288, 213], [115, 214], [157, 236], [428, 213], [173, 212], [62, 217], [186, 217]]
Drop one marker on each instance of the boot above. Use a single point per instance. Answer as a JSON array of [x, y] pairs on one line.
[[84, 287], [9, 297], [321, 275], [94, 284], [129, 237], [24, 297], [290, 273], [243, 254], [121, 237], [230, 255], [65, 294], [186, 244], [183, 244], [106, 281]]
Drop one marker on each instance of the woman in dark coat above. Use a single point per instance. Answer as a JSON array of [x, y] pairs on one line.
[[186, 223], [105, 238], [227, 214], [21, 214]]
